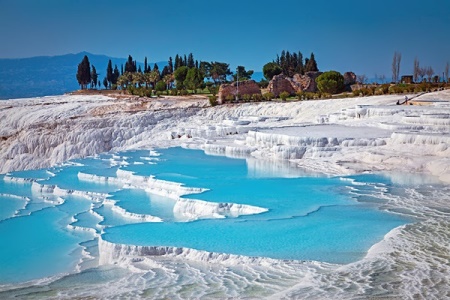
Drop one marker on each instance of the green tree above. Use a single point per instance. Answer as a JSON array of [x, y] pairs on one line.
[[331, 82], [168, 79], [242, 74], [219, 71], [271, 69], [146, 70], [124, 80], [130, 65], [154, 77], [138, 79], [94, 77], [160, 86], [84, 73], [190, 61], [109, 73], [180, 76], [311, 65], [194, 79], [105, 83], [170, 66], [115, 75]]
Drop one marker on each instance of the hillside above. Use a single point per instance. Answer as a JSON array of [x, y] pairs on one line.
[[48, 75]]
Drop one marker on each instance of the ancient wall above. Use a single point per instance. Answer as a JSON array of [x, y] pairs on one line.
[[349, 78], [249, 87], [281, 83]]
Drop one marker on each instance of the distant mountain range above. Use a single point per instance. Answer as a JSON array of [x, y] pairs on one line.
[[49, 75], [54, 75]]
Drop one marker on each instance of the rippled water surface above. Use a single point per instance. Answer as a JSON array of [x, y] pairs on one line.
[[51, 221]]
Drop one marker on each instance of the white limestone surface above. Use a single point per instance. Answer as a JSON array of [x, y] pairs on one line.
[[331, 136]]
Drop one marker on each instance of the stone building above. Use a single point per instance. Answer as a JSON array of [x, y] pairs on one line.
[[281, 83], [249, 87]]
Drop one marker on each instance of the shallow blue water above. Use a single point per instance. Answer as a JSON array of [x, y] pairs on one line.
[[309, 217]]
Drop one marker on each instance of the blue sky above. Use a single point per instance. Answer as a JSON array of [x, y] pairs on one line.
[[345, 35]]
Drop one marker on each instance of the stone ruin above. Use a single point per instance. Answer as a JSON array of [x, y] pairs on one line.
[[349, 78], [249, 87], [281, 83]]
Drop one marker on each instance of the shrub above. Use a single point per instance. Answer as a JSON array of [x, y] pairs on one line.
[[158, 93], [183, 92], [174, 92], [114, 86], [229, 97], [331, 82], [160, 86], [284, 95], [257, 97], [268, 96], [326, 96], [213, 90], [247, 97], [213, 100], [356, 93], [309, 95], [300, 95]]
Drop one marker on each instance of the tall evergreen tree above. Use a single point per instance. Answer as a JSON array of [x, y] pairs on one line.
[[311, 65], [170, 66], [185, 61], [84, 73], [300, 69], [109, 72], [145, 65], [121, 69], [178, 62], [165, 71], [139, 69], [94, 77], [116, 75], [194, 79], [190, 61], [130, 65]]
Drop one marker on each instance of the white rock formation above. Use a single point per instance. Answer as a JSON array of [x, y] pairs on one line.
[[338, 135]]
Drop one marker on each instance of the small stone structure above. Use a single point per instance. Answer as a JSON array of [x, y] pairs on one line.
[[281, 83], [349, 78], [307, 81], [249, 87]]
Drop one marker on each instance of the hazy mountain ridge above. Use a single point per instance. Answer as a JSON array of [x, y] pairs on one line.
[[49, 75]]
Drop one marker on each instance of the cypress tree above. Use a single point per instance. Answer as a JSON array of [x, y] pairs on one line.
[[109, 72], [84, 73], [311, 65], [94, 77], [190, 61], [145, 65], [116, 75], [177, 62], [170, 66], [130, 65], [300, 68]]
